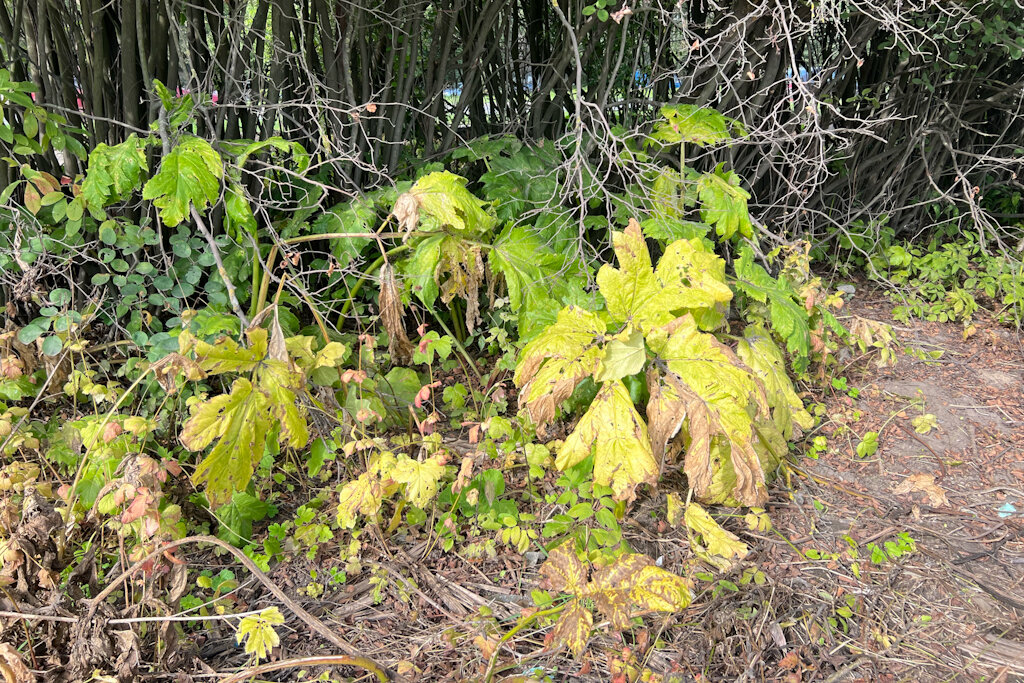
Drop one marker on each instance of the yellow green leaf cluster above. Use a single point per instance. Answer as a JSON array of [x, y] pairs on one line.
[[711, 542], [631, 584], [418, 480], [727, 414], [267, 398], [258, 633]]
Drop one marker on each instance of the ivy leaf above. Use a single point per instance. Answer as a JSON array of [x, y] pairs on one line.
[[788, 318], [258, 634], [762, 356], [697, 125], [189, 174], [573, 628], [444, 197], [236, 517], [559, 358], [724, 203], [718, 546], [623, 356], [421, 478], [615, 432]]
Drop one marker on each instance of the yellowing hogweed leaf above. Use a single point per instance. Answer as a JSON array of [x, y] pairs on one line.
[[696, 125], [241, 419], [687, 278], [695, 278], [558, 359], [573, 628], [716, 391], [631, 291], [420, 478], [562, 571], [361, 496], [280, 383], [257, 631], [189, 174], [925, 423], [240, 423], [444, 197], [614, 430], [761, 355], [633, 582], [227, 355], [724, 203], [720, 547], [623, 356]]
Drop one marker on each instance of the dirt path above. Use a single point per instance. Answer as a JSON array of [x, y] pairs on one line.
[[952, 609]]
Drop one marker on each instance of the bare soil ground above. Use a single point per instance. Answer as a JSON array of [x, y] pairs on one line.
[[821, 607]]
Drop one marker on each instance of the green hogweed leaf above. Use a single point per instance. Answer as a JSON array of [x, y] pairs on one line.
[[724, 203], [788, 318], [696, 125], [114, 172], [189, 175]]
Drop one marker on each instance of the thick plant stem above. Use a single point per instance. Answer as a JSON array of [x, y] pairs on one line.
[[375, 266], [523, 623], [323, 660], [201, 224]]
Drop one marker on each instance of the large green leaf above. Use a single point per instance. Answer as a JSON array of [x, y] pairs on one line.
[[533, 272], [788, 318], [632, 292], [189, 174], [114, 172], [724, 203], [525, 180], [419, 271]]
